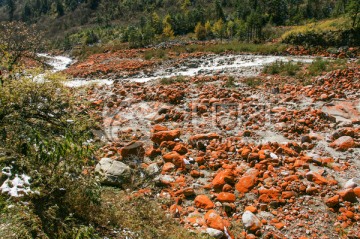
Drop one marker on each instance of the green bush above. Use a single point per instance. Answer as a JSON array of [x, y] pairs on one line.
[[286, 68], [44, 136], [317, 66], [252, 82], [230, 82]]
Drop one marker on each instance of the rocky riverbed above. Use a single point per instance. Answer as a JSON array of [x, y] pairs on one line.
[[275, 159], [118, 66]]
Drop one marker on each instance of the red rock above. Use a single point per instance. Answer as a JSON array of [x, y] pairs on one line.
[[202, 201], [348, 195], [174, 158], [181, 149], [349, 214], [176, 210], [251, 209], [152, 152], [250, 236], [187, 192], [227, 188], [287, 194], [97, 103], [333, 201], [214, 220], [168, 167], [316, 178], [165, 136], [343, 143], [195, 174], [253, 157], [291, 178], [245, 152], [226, 197], [357, 191], [133, 150], [200, 160], [269, 195], [288, 151], [279, 225], [245, 183], [222, 178], [202, 137], [299, 163], [158, 128], [168, 144]]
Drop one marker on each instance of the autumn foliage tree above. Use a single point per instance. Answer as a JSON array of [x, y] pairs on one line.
[[17, 42], [200, 31]]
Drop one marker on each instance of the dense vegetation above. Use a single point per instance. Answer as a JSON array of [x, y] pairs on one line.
[[143, 22]]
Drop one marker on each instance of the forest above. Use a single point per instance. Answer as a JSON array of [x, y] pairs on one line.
[[143, 22]]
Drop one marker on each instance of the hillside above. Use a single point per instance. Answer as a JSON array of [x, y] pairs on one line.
[[69, 23]]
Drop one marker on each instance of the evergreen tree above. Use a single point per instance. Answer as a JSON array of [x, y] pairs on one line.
[[148, 34], [200, 31], [156, 23], [26, 13], [135, 38], [230, 29], [185, 5], [353, 9], [11, 9], [168, 31], [93, 4], [219, 29], [219, 11], [277, 11], [59, 8], [208, 29]]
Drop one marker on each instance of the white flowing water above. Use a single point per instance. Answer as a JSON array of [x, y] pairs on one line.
[[59, 63], [237, 65]]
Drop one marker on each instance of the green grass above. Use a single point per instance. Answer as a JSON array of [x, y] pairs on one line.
[[252, 82], [284, 68], [140, 215], [230, 82], [156, 53], [232, 46], [320, 65], [317, 67], [173, 80]]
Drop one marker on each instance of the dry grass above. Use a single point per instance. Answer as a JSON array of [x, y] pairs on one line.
[[319, 26], [141, 216]]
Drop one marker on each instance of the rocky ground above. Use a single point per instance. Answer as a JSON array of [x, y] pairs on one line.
[[233, 157]]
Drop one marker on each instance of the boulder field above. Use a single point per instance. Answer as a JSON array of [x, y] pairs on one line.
[[239, 161]]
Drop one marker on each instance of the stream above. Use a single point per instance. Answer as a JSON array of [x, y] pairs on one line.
[[236, 65]]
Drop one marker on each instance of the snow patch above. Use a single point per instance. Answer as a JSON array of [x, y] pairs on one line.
[[16, 187]]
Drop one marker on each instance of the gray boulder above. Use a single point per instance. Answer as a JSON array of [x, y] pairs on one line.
[[214, 233], [113, 172]]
